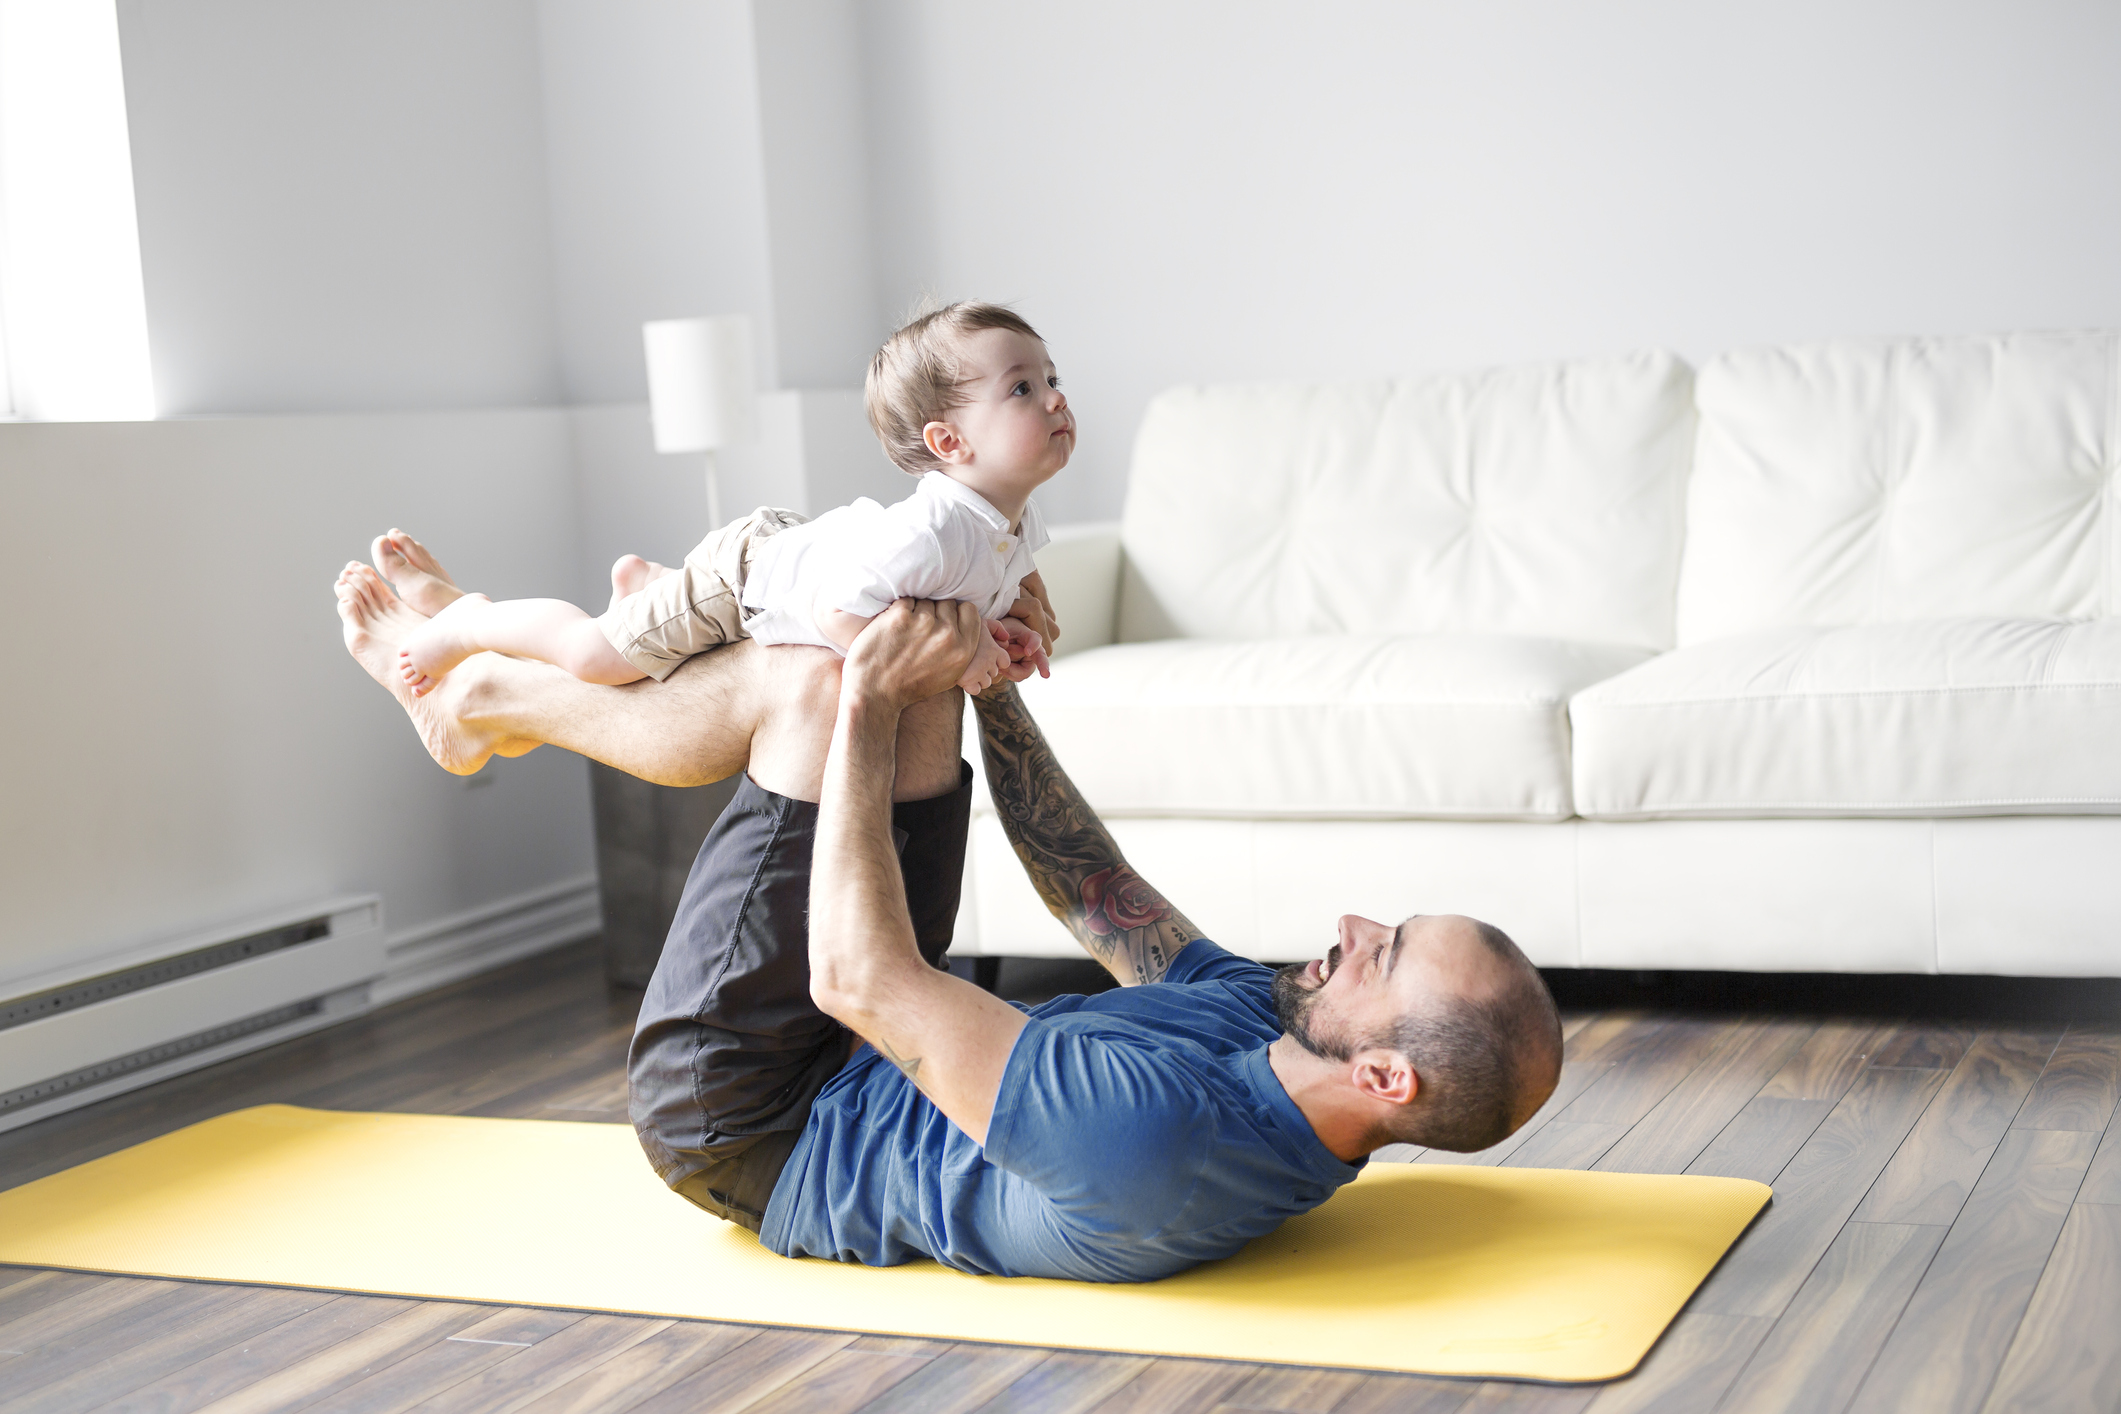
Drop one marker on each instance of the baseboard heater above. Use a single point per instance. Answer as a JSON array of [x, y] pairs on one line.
[[68, 1040]]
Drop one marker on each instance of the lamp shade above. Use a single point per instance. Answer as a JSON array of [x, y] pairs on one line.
[[701, 381]]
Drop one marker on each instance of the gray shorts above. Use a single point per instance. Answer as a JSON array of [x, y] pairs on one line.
[[730, 1053]]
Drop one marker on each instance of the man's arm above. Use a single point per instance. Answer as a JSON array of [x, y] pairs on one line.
[[1071, 858], [950, 1038]]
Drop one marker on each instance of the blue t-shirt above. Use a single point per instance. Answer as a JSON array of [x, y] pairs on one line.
[[1137, 1132]]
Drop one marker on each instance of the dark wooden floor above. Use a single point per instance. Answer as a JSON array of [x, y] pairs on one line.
[[1945, 1236]]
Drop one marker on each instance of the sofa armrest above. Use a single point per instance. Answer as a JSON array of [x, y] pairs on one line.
[[1081, 570]]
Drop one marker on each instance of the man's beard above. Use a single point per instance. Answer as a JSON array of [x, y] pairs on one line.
[[1293, 1004]]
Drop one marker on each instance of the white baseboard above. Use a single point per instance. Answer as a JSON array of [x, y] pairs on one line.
[[447, 949], [416, 960]]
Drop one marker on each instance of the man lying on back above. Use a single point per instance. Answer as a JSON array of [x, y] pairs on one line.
[[1118, 1137], [1134, 1133]]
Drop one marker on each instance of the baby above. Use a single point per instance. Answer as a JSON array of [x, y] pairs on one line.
[[966, 399]]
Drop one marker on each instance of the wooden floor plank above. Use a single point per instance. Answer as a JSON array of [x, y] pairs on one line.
[[1688, 1119], [1821, 1348], [139, 1351], [244, 1363], [606, 1092], [1776, 1123], [1923, 1046], [747, 1373], [14, 1276], [1760, 1142], [83, 1308], [847, 1379], [1294, 1389], [1640, 1079], [1951, 1339], [1562, 1145], [1510, 1397], [969, 1375], [1929, 1178], [1829, 1060], [456, 1357], [1689, 1368], [1406, 1394], [551, 1071], [79, 1354], [549, 1365], [2079, 1088], [41, 1290], [1816, 1193], [1067, 1382], [2102, 1182], [627, 1376], [316, 1377], [2052, 1365]]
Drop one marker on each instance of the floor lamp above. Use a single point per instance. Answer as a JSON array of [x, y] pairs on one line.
[[700, 396], [702, 385]]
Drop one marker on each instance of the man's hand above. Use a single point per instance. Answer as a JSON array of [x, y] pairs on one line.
[[913, 651]]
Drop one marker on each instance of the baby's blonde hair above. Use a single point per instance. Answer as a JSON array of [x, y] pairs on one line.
[[916, 378]]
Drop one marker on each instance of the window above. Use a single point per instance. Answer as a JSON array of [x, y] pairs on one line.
[[73, 315]]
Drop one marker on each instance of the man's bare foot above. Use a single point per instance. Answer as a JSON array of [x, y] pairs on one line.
[[438, 644], [375, 622], [411, 569], [630, 574]]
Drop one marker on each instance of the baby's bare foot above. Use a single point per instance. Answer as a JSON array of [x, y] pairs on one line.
[[375, 621], [630, 574], [439, 644], [414, 572]]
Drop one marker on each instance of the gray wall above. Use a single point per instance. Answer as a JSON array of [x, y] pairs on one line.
[[342, 205], [1243, 189], [188, 742]]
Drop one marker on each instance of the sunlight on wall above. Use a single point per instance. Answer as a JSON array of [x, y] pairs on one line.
[[71, 303]]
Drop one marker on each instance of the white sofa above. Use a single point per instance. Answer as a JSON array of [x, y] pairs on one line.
[[1805, 662]]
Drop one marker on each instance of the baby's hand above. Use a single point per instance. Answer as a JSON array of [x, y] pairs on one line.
[[988, 663], [1025, 648]]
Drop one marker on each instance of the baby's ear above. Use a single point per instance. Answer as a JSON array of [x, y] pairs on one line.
[[944, 442]]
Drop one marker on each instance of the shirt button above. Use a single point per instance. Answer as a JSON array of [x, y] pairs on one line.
[[1001, 547]]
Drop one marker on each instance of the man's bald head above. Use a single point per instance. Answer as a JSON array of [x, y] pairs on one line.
[[1488, 1049], [1456, 998]]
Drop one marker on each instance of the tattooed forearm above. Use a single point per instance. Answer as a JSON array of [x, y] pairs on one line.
[[1073, 863], [911, 1065]]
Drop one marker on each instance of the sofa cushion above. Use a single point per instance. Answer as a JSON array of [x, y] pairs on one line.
[[1943, 717], [1852, 483], [1543, 500], [1449, 725]]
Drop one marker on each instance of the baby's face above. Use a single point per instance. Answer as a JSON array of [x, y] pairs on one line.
[[1014, 422]]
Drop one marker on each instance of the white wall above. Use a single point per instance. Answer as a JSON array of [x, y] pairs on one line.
[[342, 206], [188, 742], [1190, 191], [812, 111], [657, 179]]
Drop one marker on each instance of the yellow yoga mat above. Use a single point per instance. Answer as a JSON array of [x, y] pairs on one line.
[[1525, 1273]]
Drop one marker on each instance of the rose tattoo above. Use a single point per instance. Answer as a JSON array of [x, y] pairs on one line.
[[1117, 899]]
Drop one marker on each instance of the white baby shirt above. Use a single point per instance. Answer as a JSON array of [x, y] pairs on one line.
[[945, 541]]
